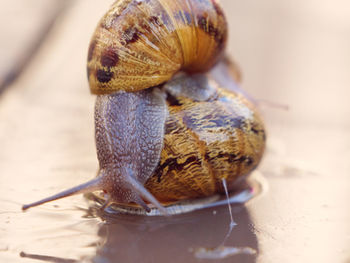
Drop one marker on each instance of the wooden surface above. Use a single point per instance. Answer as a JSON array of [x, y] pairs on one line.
[[291, 52]]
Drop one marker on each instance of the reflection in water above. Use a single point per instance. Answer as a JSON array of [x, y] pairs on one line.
[[223, 251], [155, 239], [232, 222], [191, 237]]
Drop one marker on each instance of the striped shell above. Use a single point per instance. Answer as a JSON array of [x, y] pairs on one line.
[[205, 142], [141, 43]]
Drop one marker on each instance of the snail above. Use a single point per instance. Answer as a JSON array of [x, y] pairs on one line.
[[166, 127]]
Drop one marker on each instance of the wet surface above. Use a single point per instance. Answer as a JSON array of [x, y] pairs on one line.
[[177, 238], [292, 53], [251, 187]]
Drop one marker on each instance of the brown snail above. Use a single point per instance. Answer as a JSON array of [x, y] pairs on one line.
[[159, 143]]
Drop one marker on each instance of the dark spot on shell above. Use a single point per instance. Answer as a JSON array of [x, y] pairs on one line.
[[172, 100], [104, 76], [254, 130], [131, 35], [154, 20], [145, 25], [91, 50], [230, 157], [212, 30], [217, 8], [208, 27], [202, 23], [109, 58], [220, 39], [172, 164], [105, 26], [248, 160], [215, 121]]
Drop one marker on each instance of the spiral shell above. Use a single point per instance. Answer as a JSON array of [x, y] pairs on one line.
[[140, 44], [205, 142]]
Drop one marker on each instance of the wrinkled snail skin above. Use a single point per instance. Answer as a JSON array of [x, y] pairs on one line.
[[129, 131], [169, 122], [141, 44]]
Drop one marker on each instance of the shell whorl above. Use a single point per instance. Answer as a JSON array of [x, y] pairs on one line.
[[142, 43]]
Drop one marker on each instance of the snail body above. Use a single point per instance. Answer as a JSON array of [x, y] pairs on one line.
[[168, 127]]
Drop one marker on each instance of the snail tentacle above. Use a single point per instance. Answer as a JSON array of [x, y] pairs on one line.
[[143, 192], [90, 186]]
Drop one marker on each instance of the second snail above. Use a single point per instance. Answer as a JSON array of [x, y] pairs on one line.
[[169, 122]]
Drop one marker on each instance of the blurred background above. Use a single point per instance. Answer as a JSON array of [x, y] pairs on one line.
[[295, 54]]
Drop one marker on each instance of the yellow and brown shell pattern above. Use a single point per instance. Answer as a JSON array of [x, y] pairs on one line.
[[205, 142], [141, 43]]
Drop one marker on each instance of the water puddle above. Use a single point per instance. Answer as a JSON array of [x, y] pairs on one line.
[[152, 228], [201, 229], [222, 251], [249, 189]]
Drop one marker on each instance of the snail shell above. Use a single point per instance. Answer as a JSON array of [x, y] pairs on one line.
[[163, 143], [141, 44], [205, 142]]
